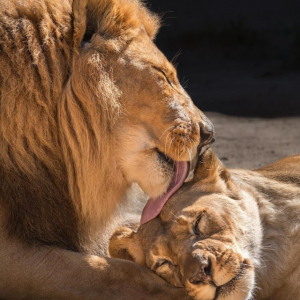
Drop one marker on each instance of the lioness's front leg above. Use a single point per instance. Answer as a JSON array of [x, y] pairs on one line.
[[52, 273]]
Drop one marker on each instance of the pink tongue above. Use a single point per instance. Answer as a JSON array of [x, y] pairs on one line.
[[155, 205]]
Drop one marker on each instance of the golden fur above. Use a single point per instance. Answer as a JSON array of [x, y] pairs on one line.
[[87, 104], [225, 233]]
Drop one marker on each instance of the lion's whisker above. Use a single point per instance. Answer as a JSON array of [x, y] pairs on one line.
[[193, 142], [171, 144], [178, 152], [166, 130], [166, 142], [182, 138], [173, 60], [189, 150], [190, 154]]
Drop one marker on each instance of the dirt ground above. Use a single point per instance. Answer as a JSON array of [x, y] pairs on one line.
[[253, 142]]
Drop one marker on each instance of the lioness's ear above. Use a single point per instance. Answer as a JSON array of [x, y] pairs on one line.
[[210, 168], [211, 172], [123, 244]]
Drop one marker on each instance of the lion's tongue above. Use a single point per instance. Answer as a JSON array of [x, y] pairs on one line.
[[155, 205]]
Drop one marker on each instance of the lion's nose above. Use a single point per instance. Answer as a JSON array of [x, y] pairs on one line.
[[203, 274], [206, 132]]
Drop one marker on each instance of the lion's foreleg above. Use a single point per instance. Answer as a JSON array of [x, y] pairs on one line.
[[51, 273]]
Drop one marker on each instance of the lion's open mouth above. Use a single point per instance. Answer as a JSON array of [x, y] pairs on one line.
[[155, 205]]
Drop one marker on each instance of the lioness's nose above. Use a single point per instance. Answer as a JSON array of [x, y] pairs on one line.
[[206, 132], [203, 274]]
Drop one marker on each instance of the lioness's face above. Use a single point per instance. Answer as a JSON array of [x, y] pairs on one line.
[[200, 248], [204, 241], [160, 124]]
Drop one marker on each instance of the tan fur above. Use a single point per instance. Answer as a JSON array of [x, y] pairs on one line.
[[226, 235], [86, 102]]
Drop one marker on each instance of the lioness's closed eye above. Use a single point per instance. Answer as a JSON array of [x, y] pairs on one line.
[[208, 238]]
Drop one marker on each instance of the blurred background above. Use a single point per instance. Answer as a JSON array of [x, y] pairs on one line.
[[240, 62]]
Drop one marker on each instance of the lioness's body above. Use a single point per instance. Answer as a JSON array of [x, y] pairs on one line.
[[253, 214], [88, 107], [276, 188]]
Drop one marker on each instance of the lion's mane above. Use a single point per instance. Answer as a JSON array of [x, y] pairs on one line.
[[55, 163]]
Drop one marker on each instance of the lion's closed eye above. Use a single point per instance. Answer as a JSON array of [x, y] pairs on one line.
[[165, 75]]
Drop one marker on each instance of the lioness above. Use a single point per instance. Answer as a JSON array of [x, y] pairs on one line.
[[88, 108], [224, 233]]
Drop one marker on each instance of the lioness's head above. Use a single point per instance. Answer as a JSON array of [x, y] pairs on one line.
[[153, 124], [206, 238]]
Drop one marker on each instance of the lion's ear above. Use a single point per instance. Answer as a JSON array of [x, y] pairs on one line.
[[85, 22], [79, 22], [124, 245], [111, 20]]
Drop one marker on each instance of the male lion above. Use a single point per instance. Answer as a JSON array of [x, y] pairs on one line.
[[224, 229], [88, 106]]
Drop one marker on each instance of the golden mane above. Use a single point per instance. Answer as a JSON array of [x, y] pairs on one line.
[[46, 114]]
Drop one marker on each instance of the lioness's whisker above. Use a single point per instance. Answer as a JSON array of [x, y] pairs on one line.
[[177, 217]]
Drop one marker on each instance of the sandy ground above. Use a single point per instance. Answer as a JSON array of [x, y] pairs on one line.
[[253, 142]]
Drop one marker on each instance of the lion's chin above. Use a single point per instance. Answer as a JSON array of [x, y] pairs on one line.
[[158, 175], [155, 205]]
